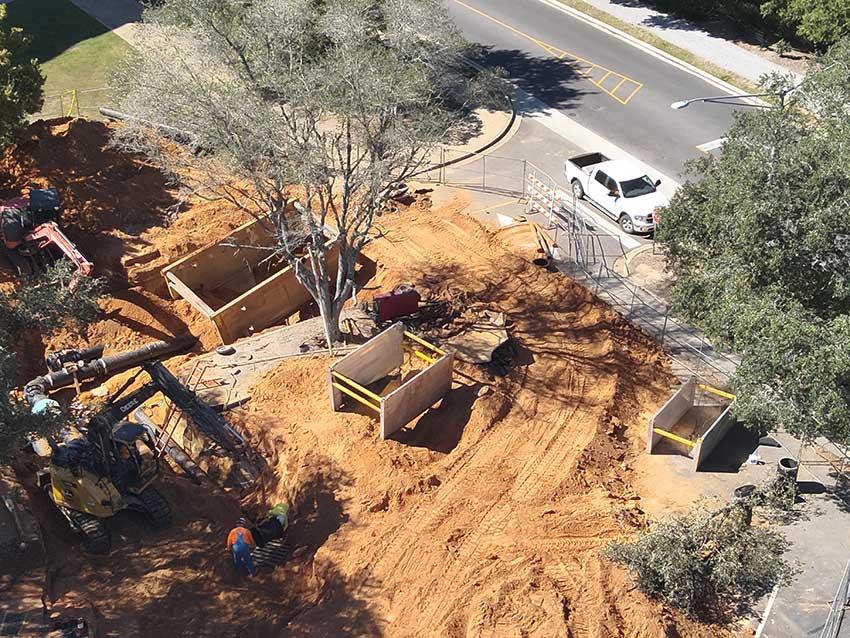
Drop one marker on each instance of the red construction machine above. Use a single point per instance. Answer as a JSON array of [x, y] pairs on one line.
[[32, 239]]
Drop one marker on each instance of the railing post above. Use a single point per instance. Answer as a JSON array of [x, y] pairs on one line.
[[664, 329], [524, 177], [484, 172]]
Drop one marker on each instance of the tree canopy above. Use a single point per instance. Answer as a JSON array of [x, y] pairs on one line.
[[710, 564], [329, 104], [21, 81], [760, 246], [820, 23], [43, 305]]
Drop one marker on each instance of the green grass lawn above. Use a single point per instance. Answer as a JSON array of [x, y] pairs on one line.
[[74, 49]]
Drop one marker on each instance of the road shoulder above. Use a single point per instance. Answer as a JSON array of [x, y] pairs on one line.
[[706, 55]]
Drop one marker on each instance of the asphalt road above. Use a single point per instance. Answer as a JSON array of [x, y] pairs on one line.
[[603, 83]]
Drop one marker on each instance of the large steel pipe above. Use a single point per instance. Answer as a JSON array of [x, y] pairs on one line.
[[37, 390]]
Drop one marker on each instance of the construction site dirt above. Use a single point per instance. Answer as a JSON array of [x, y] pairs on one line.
[[484, 517]]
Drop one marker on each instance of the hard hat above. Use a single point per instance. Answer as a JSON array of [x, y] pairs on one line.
[[242, 521]]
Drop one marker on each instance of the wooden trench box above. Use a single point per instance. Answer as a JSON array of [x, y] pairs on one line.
[[239, 284], [378, 358]]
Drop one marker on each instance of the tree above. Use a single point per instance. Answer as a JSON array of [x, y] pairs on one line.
[[44, 304], [759, 245], [709, 564], [21, 81], [330, 105], [819, 22]]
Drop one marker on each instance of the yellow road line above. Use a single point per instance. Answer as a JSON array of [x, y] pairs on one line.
[[576, 60], [631, 95], [614, 90]]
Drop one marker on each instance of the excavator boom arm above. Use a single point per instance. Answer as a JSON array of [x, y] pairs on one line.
[[49, 234]]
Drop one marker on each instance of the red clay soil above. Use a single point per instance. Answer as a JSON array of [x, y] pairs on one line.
[[126, 218], [484, 517]]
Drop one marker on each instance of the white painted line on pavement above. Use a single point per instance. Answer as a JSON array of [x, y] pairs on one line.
[[767, 610], [713, 144], [647, 48]]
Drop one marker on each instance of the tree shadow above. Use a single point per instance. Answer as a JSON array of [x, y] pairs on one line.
[[68, 25], [172, 323], [546, 77], [180, 580], [749, 26]]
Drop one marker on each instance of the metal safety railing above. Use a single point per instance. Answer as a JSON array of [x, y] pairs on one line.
[[583, 248], [838, 607]]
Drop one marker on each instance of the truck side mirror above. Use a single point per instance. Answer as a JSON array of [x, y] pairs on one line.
[[658, 182], [613, 194]]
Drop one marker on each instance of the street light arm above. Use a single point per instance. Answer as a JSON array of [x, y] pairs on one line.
[[720, 99]]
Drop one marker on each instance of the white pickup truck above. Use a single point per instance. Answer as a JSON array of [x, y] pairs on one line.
[[623, 191]]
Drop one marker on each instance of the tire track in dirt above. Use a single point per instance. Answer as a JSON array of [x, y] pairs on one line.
[[535, 477]]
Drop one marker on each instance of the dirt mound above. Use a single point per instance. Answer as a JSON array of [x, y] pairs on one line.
[[486, 515], [125, 217]]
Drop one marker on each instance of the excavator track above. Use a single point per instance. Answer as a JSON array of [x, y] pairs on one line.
[[96, 538], [156, 508]]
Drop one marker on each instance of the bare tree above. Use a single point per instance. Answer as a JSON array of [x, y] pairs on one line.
[[327, 103]]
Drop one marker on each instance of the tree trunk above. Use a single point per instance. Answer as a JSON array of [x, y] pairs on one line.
[[330, 318]]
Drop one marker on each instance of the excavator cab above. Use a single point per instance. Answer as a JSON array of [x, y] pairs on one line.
[[136, 463]]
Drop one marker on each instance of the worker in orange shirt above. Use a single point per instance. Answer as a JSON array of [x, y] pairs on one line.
[[240, 542]]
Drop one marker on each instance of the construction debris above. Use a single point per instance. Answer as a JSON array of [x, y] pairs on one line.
[[477, 343]]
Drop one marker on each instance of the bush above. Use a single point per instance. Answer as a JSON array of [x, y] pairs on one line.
[[44, 304], [48, 303], [708, 564], [820, 23], [21, 81]]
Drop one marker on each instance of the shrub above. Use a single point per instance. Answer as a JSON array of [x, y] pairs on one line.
[[708, 564]]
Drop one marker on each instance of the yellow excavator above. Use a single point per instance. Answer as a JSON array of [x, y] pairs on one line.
[[111, 464]]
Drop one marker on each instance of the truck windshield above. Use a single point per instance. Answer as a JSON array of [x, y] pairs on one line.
[[637, 187]]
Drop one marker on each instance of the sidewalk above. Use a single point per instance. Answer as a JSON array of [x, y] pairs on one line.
[[692, 38]]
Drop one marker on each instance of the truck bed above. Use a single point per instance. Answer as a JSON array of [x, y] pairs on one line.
[[587, 159]]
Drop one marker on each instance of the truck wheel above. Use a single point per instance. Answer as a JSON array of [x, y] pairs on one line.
[[578, 191], [626, 224], [156, 507]]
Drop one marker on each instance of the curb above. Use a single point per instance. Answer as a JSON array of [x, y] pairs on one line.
[[648, 48], [504, 135]]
